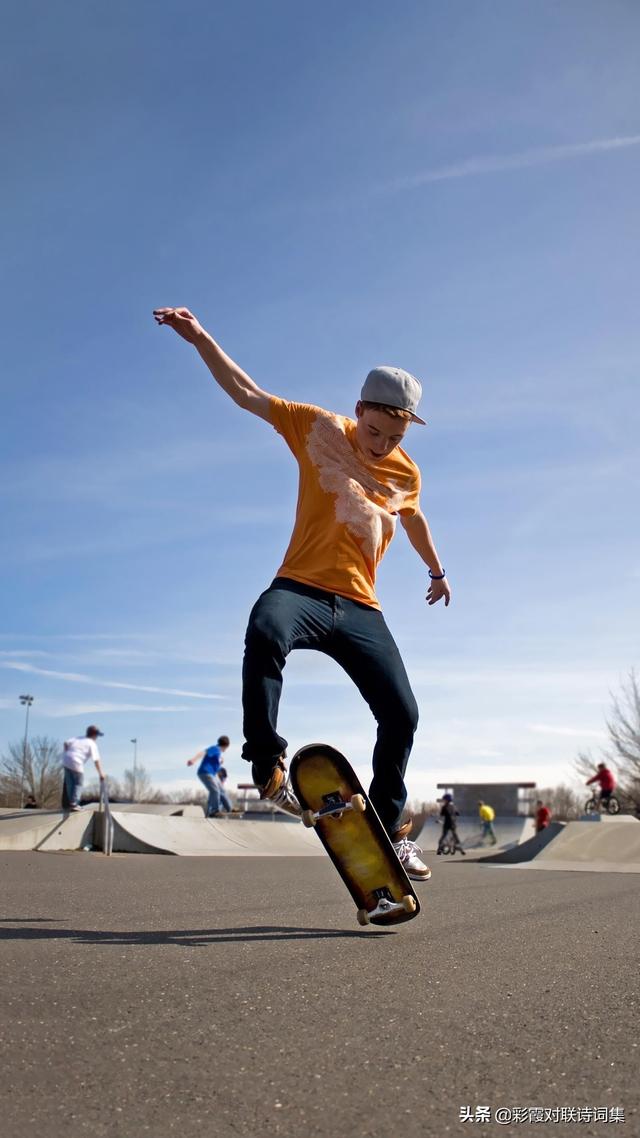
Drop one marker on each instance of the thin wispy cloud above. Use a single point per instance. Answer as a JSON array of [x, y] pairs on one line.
[[495, 163], [566, 732], [77, 678], [205, 522], [87, 636], [68, 710], [24, 652], [122, 472]]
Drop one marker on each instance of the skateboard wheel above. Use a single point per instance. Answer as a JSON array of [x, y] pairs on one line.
[[308, 818], [358, 803], [363, 916], [409, 903]]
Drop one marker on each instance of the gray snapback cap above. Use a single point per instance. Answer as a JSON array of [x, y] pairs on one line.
[[395, 388]]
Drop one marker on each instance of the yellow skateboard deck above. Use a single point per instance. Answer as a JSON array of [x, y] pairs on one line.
[[350, 830]]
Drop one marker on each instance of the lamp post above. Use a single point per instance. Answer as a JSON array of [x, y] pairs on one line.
[[26, 701], [135, 768]]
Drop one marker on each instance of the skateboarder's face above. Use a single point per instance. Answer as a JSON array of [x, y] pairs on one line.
[[378, 433]]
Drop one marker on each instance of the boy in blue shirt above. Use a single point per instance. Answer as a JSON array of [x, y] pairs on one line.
[[208, 771]]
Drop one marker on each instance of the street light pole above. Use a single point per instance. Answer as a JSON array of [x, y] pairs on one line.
[[135, 768], [26, 701]]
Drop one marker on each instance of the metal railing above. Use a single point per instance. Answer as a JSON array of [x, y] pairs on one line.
[[107, 820]]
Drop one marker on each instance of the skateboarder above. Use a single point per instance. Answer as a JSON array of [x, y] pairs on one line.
[[355, 481], [77, 752], [210, 765], [448, 813], [487, 818]]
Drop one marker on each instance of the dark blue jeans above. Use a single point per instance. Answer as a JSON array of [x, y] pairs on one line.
[[71, 787], [212, 788], [290, 615]]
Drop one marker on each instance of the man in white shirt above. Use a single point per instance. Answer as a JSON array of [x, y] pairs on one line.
[[76, 753]]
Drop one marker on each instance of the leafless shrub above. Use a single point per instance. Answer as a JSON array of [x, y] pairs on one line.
[[40, 760]]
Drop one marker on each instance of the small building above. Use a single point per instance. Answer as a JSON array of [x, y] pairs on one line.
[[507, 798]]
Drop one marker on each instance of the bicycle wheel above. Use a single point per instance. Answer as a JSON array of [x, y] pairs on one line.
[[591, 806], [613, 806]]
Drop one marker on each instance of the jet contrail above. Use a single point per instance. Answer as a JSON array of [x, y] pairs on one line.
[[76, 678], [490, 164]]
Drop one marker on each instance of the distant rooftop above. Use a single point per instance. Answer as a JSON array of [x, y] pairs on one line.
[[507, 798], [520, 785]]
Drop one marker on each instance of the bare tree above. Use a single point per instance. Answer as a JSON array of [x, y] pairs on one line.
[[623, 747], [564, 803], [137, 786], [585, 765], [187, 797], [624, 738], [115, 790], [138, 789], [42, 775]]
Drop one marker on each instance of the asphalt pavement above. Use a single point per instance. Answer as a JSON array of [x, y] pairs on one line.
[[238, 996]]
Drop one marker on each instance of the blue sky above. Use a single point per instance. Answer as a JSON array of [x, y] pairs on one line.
[[451, 188]]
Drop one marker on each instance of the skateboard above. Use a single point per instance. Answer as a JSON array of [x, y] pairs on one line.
[[334, 803]]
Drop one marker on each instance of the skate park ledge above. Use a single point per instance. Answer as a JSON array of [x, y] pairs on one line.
[[611, 845]]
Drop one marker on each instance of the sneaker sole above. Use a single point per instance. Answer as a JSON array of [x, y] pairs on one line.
[[283, 809]]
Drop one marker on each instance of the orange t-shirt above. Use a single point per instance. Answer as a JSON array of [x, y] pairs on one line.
[[347, 507]]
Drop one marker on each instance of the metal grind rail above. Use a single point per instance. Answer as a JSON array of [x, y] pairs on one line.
[[107, 820]]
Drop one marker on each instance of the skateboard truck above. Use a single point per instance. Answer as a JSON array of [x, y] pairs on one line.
[[386, 905], [335, 806]]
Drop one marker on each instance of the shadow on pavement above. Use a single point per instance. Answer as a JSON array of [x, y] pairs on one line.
[[27, 920], [185, 937]]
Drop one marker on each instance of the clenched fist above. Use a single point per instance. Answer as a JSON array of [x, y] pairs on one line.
[[181, 320]]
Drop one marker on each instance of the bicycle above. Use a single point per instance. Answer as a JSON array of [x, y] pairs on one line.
[[596, 804], [450, 845]]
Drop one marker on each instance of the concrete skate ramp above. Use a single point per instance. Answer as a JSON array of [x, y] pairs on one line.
[[607, 845], [175, 809], [206, 837], [189, 835], [45, 830], [509, 832], [601, 845], [528, 849]]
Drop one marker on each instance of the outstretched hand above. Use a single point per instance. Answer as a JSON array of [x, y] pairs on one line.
[[437, 590], [181, 320]]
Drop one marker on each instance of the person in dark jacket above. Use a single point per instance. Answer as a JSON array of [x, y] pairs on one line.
[[448, 813]]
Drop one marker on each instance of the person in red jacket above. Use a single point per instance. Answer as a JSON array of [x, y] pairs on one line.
[[543, 816], [607, 781]]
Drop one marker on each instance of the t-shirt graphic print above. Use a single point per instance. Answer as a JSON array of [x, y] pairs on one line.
[[347, 507]]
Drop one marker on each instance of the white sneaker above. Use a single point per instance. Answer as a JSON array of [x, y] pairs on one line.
[[414, 868]]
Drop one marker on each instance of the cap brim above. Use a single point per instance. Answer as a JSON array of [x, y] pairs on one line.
[[417, 419]]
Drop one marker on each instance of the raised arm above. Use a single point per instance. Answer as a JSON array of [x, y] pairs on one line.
[[419, 534], [231, 378]]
